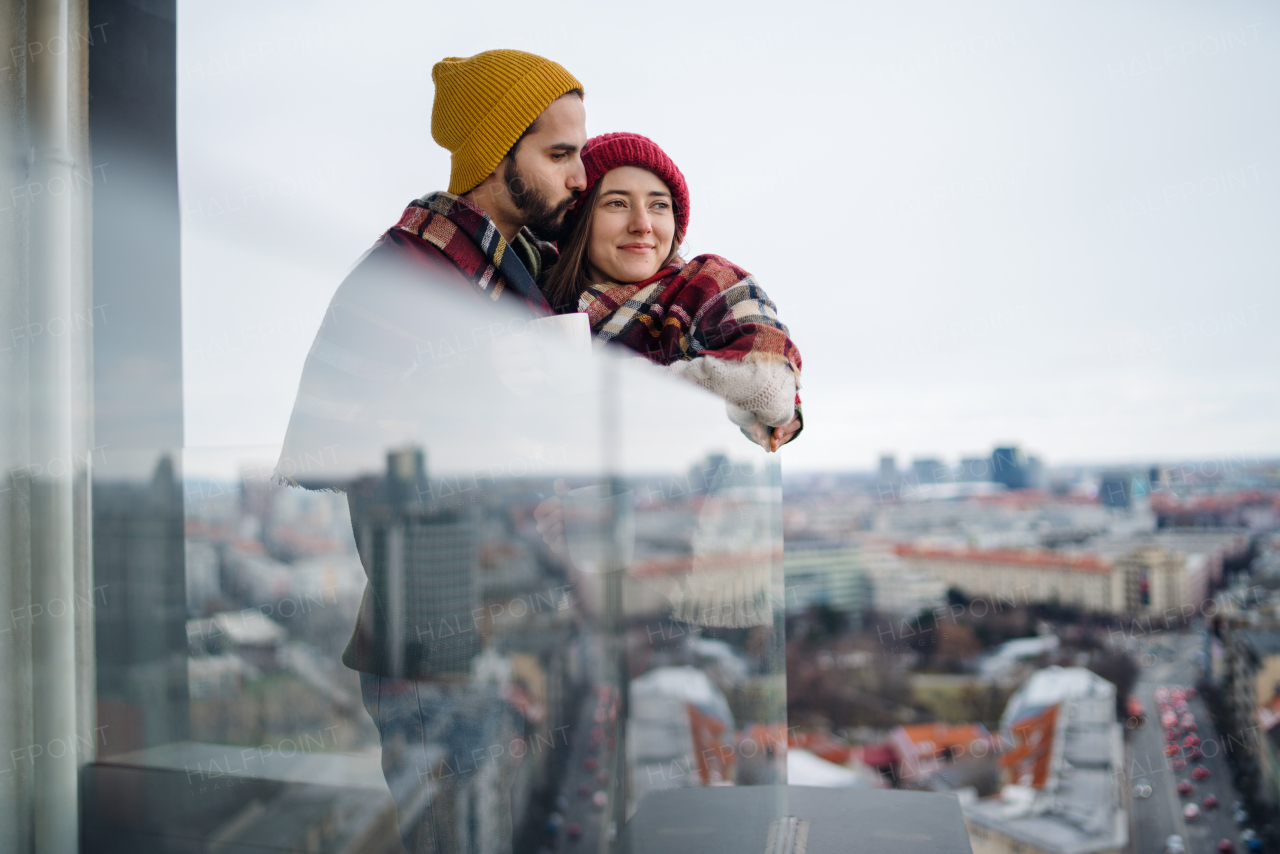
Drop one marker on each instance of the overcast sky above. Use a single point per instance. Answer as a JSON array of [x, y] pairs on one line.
[[1052, 224]]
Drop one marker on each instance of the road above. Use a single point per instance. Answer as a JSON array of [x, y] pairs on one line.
[[1170, 661], [582, 782]]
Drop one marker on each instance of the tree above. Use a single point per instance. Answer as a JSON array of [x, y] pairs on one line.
[[1119, 669]]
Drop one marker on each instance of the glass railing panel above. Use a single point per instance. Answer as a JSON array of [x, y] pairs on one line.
[[485, 573], [703, 591]]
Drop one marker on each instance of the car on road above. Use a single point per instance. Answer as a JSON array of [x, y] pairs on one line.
[[1191, 741], [1210, 803], [1195, 754], [1142, 789], [1178, 763], [1174, 845], [1172, 750], [1226, 845], [1191, 812], [1185, 787], [1200, 773], [1240, 815]]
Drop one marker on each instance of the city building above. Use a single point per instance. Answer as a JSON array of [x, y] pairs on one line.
[[423, 572], [1036, 476], [218, 677], [1009, 466], [1118, 488], [1250, 682], [1061, 761], [1169, 570], [248, 634], [894, 588], [888, 472], [1258, 666], [1011, 654], [829, 574], [1022, 576], [204, 585], [1156, 581], [974, 470], [680, 733], [929, 470], [1158, 574], [924, 750], [138, 565]]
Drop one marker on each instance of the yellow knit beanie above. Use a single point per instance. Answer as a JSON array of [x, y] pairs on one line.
[[483, 104]]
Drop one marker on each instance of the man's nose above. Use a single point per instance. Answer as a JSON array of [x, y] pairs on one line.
[[577, 179]]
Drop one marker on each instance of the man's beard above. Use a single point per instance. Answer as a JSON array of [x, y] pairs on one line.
[[546, 221]]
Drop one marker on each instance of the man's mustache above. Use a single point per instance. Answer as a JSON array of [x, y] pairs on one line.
[[568, 204]]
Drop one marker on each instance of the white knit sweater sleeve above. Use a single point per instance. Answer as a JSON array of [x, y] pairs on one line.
[[764, 390]]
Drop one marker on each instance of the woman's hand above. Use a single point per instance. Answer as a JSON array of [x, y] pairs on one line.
[[772, 440], [782, 435]]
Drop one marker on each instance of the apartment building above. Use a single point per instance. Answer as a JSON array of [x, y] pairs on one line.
[[1019, 576]]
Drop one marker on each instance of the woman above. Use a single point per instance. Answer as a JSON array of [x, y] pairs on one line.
[[706, 318]]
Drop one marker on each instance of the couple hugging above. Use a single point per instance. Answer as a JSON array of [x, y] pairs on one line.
[[524, 177], [540, 219]]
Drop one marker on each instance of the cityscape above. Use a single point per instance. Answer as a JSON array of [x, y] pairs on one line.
[[1013, 633]]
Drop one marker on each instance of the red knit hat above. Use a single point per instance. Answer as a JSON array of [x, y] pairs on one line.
[[611, 150]]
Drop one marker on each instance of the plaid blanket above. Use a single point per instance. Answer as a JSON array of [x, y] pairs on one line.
[[469, 239], [705, 307]]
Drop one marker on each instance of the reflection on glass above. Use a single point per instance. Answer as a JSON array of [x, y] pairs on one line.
[[387, 600], [599, 528]]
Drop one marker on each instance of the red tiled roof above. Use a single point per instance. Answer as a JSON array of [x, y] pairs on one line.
[[682, 564], [1030, 756], [1014, 557], [824, 745], [933, 739], [1163, 502]]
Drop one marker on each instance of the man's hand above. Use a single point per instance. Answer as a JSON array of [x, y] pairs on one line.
[[549, 515], [782, 435]]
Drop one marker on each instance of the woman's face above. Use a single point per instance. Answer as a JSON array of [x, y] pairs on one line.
[[632, 226]]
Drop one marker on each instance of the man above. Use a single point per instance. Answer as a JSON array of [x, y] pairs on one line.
[[515, 125]]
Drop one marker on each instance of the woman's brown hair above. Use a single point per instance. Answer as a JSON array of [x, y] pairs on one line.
[[568, 279]]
